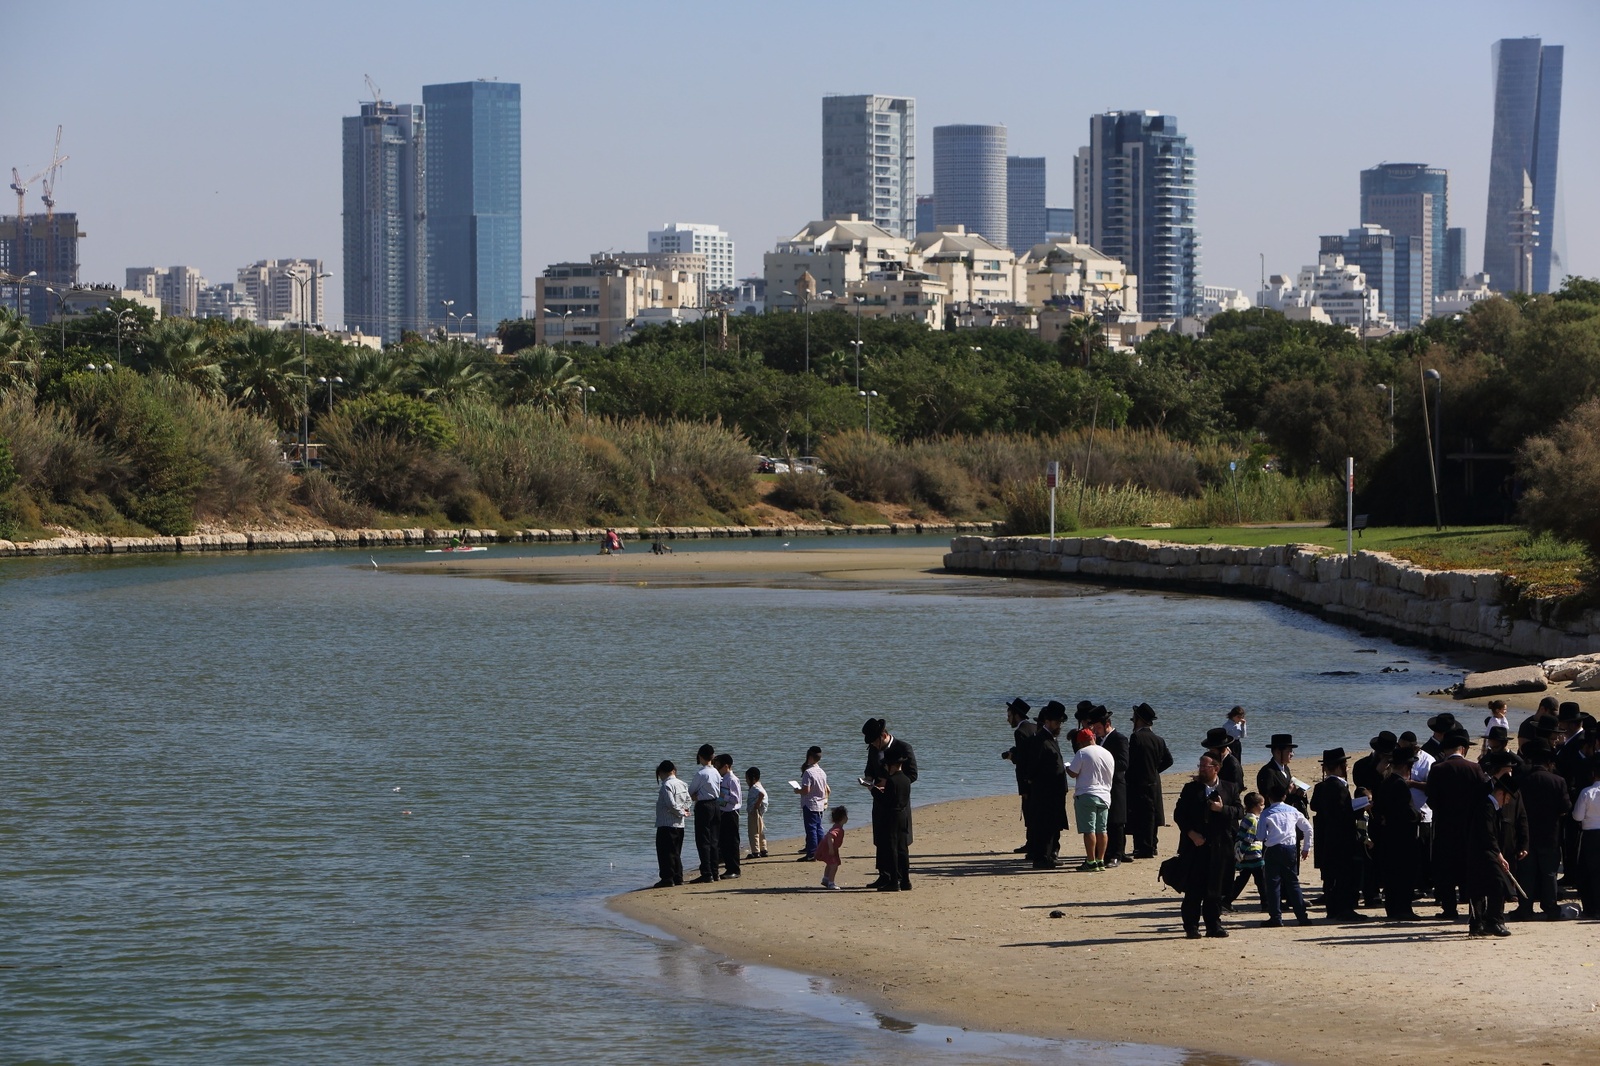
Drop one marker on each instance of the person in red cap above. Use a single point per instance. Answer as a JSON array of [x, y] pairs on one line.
[[1091, 769]]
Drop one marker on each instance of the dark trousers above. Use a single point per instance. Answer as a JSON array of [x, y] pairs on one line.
[[1371, 883], [1117, 840], [669, 853], [1422, 868], [1397, 868], [894, 855], [1538, 872], [707, 831], [1449, 865], [1200, 903], [813, 820], [1142, 819], [1282, 875], [1244, 877], [728, 840], [1589, 872], [1571, 841], [1340, 884]]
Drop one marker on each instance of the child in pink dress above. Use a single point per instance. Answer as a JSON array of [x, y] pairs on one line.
[[828, 848]]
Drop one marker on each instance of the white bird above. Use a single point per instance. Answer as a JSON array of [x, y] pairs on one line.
[[375, 566], [395, 789], [785, 544]]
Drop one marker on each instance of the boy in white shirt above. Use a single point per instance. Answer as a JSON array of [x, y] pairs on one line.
[[814, 793], [756, 806], [1277, 832], [672, 807]]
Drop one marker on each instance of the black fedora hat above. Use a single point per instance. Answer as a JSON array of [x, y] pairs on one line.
[[1546, 727], [1054, 711], [1457, 738], [1282, 740], [1441, 722], [873, 728], [1498, 732], [1333, 756], [1085, 709], [1144, 712], [1384, 742], [1216, 738], [1570, 712], [1019, 707]]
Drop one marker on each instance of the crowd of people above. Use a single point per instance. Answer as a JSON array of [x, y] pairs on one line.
[[713, 799], [1411, 820]]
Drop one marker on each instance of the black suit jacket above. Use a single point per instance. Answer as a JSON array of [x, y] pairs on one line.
[[1334, 826], [1456, 791], [875, 760], [1117, 744], [1273, 772], [1148, 758], [1022, 738], [1210, 865], [1544, 797]]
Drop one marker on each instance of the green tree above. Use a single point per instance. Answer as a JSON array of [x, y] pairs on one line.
[[1563, 473], [448, 372], [265, 373], [543, 377]]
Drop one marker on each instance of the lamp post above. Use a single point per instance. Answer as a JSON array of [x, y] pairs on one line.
[[20, 281], [1386, 390], [448, 315], [330, 382], [563, 315], [1433, 452], [860, 300], [61, 315], [583, 394], [122, 316], [868, 396], [304, 280], [805, 304]]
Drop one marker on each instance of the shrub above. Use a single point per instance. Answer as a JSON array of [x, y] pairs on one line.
[[320, 494], [527, 461], [53, 459], [868, 468], [944, 485], [386, 470], [1563, 472], [236, 448], [402, 417], [801, 491]]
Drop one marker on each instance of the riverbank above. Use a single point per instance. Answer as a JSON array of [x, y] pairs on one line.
[[987, 943]]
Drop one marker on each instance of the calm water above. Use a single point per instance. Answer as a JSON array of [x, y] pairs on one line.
[[287, 807]]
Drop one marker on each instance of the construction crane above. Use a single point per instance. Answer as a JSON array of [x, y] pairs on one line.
[[372, 87], [20, 187], [49, 183]]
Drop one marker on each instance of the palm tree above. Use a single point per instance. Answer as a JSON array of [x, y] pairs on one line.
[[369, 371], [447, 372], [1082, 336], [184, 350], [544, 378], [19, 349], [265, 374]]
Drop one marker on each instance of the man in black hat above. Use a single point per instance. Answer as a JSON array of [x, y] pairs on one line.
[[1022, 734], [1395, 820], [1456, 790], [1148, 759], [1338, 854], [1047, 789], [1570, 765], [1219, 743], [1545, 798], [879, 741], [1277, 769], [1207, 813], [1368, 773], [1442, 724], [1116, 743], [1492, 844]]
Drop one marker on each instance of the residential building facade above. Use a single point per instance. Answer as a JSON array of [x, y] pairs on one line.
[[1026, 214], [834, 253], [272, 285], [474, 204], [1134, 187], [47, 247], [177, 287], [869, 160], [598, 302], [385, 220], [698, 238], [1522, 215], [969, 180]]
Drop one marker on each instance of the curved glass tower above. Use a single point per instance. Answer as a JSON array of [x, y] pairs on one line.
[[1522, 234], [969, 180]]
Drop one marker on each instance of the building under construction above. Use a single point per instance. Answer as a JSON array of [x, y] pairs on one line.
[[45, 245]]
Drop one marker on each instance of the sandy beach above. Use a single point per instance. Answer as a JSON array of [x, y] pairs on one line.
[[686, 566], [987, 943]]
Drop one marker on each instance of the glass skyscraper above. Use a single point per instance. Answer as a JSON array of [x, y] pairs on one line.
[[969, 180], [1134, 191], [1025, 206], [385, 223], [869, 161], [1411, 200], [474, 203], [1522, 160]]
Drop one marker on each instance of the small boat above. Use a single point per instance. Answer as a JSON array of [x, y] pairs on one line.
[[455, 551]]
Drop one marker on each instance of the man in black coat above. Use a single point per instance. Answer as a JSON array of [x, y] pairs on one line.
[[880, 742], [1493, 842], [1338, 853], [1022, 734], [1148, 759], [891, 823], [1394, 833], [1207, 813], [1548, 804], [1277, 769], [1442, 725], [1117, 817], [1047, 789], [1570, 765], [1367, 773], [1456, 790], [1218, 743]]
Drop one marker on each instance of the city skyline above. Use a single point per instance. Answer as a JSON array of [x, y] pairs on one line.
[[214, 193]]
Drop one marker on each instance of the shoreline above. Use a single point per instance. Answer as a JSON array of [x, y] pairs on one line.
[[977, 947]]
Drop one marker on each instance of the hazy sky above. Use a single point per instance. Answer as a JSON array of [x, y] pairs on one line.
[[208, 134]]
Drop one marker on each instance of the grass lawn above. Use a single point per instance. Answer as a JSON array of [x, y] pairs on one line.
[[1548, 567]]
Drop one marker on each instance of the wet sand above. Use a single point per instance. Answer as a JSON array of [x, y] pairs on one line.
[[975, 944], [686, 566]]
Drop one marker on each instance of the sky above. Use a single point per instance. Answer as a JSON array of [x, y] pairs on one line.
[[208, 134]]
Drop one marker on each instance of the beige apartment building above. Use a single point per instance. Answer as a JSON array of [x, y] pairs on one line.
[[596, 303]]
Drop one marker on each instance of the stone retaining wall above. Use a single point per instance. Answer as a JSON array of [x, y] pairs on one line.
[[387, 538], [1464, 608]]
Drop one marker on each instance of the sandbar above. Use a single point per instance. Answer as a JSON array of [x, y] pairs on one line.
[[687, 566], [975, 944]]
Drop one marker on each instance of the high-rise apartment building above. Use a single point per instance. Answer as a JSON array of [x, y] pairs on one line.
[[385, 220], [47, 247], [1059, 222], [869, 160], [1412, 200], [1134, 190], [1522, 167], [272, 286], [1394, 265], [1025, 202], [1455, 258], [699, 238], [474, 204], [177, 287], [969, 180]]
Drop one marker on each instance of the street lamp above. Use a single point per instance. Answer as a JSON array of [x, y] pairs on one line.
[[330, 382], [61, 315], [859, 301], [805, 303], [448, 315], [304, 280], [1390, 393], [868, 396], [583, 394], [122, 316], [563, 315], [20, 281], [1433, 453], [462, 323]]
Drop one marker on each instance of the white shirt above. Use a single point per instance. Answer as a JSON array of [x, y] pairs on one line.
[[1278, 825], [758, 798], [672, 803], [1419, 772], [814, 789], [707, 785], [1234, 729], [1093, 768], [732, 795], [1491, 721], [1587, 809]]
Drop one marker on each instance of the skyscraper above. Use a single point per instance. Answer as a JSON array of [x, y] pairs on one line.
[[474, 203], [969, 179], [1025, 206], [1455, 257], [869, 161], [1411, 200], [1527, 132], [1134, 189], [698, 238], [385, 220]]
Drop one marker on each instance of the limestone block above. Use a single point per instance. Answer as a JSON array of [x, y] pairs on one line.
[[8, 548], [1164, 555], [1025, 562], [1495, 682], [1070, 546], [1093, 565]]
